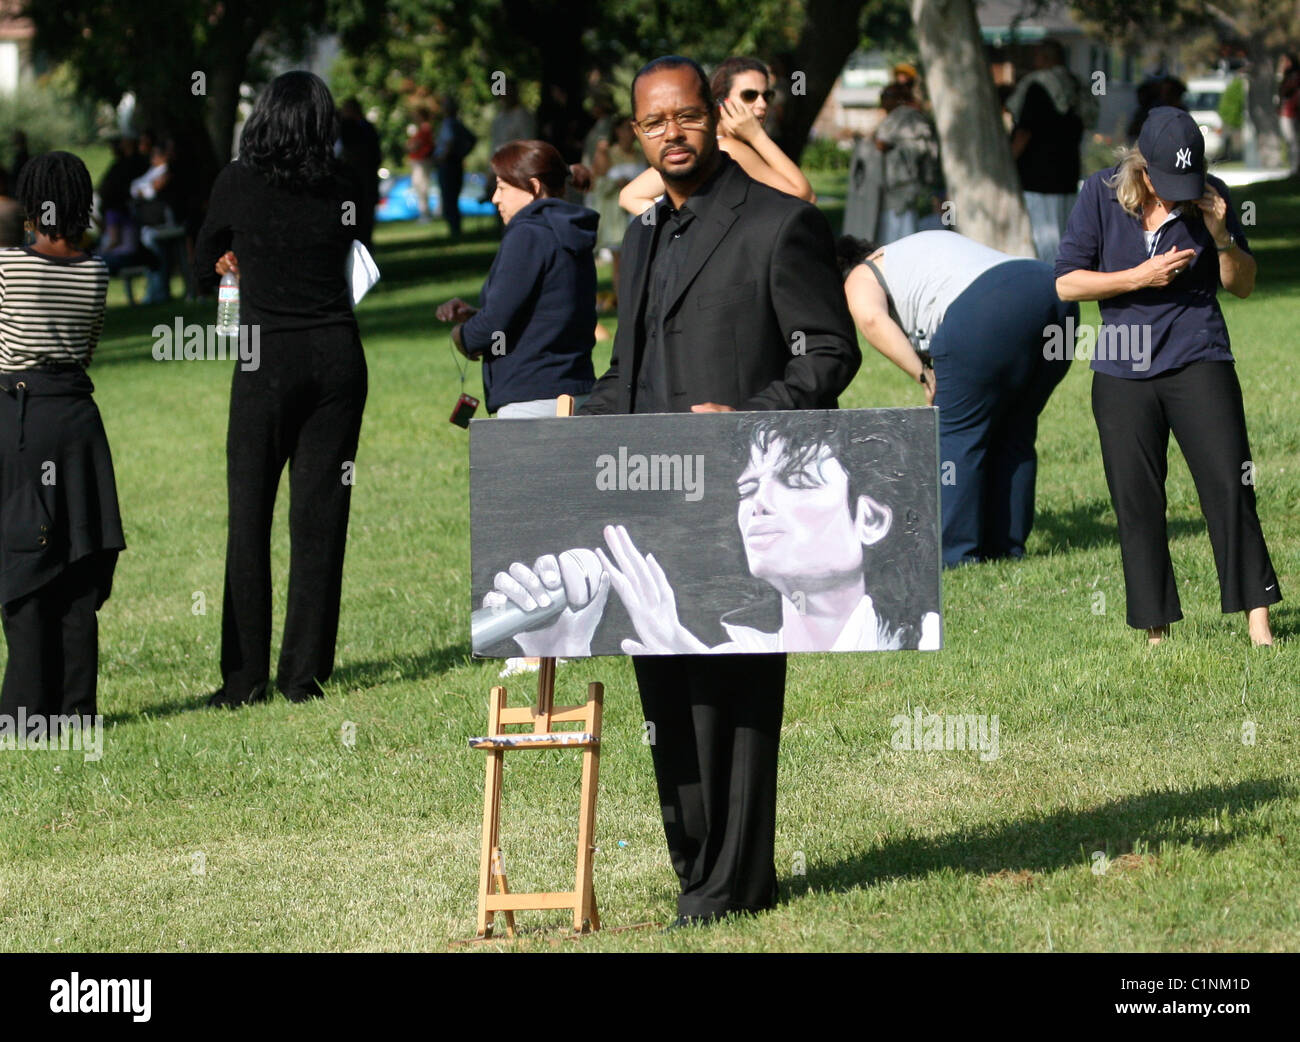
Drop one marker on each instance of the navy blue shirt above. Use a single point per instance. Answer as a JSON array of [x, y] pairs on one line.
[[537, 319], [1183, 318]]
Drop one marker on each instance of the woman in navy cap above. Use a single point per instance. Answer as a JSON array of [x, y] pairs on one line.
[[1152, 239]]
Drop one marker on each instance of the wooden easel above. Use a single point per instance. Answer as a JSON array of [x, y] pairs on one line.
[[493, 895]]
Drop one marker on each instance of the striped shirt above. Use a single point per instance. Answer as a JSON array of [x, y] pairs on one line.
[[51, 308]]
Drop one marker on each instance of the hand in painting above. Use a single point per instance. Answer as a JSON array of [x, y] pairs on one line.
[[542, 585], [648, 597]]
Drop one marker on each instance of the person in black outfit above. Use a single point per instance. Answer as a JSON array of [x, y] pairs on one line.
[[276, 214], [360, 152], [1051, 109], [454, 142], [713, 292]]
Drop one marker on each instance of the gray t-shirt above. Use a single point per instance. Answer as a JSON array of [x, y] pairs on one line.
[[927, 271]]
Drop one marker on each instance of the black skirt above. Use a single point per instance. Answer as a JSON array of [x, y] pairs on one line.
[[58, 498]]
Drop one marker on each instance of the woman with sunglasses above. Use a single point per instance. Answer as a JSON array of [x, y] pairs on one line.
[[742, 91]]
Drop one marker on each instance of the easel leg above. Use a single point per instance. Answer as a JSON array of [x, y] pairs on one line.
[[585, 915], [491, 815], [499, 878]]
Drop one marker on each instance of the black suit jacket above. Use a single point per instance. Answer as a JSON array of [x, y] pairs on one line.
[[758, 317]]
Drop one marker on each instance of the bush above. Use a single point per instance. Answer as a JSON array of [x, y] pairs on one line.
[[51, 114], [824, 153], [1232, 106]]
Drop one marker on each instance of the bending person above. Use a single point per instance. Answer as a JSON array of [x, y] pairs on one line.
[[742, 90], [1152, 239], [983, 318]]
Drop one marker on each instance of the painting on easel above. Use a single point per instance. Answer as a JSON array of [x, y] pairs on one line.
[[705, 533]]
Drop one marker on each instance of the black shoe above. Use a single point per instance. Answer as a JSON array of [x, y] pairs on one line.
[[304, 694], [687, 922], [220, 699]]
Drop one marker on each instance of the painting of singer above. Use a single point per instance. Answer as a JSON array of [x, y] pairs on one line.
[[837, 519]]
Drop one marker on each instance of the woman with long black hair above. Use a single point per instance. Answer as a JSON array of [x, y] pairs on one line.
[[279, 217]]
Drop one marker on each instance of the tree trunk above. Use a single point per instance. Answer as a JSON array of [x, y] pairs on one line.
[[224, 79], [982, 181], [828, 37], [553, 31], [1261, 82]]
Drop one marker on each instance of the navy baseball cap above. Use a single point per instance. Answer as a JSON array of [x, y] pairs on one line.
[[1174, 149]]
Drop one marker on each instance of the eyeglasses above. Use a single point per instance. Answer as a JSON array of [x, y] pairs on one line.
[[655, 126], [751, 96]]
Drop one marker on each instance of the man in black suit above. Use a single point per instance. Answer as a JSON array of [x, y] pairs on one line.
[[729, 299]]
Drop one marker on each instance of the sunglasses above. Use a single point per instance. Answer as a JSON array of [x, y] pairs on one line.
[[751, 96]]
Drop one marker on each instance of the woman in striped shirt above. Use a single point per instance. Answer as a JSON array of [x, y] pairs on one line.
[[60, 529]]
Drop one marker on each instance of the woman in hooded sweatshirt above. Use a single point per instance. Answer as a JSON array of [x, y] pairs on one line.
[[534, 328]]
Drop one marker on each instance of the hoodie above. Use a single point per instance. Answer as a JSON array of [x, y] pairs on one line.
[[537, 318]]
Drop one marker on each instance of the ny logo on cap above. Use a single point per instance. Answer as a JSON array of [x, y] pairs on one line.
[[1184, 158]]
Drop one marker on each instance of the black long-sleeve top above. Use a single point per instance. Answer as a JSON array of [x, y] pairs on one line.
[[292, 248]]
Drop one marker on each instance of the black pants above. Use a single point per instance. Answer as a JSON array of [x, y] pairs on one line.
[[450, 181], [53, 638], [717, 724], [302, 405], [992, 382], [1201, 404]]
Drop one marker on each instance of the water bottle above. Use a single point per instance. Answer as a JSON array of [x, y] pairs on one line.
[[228, 305]]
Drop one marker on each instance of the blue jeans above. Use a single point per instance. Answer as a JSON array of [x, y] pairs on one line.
[[992, 382]]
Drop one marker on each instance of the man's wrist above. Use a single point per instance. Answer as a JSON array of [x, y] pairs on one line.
[[1224, 247]]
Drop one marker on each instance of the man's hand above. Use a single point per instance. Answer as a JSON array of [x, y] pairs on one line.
[[227, 262], [648, 597], [711, 407], [1163, 268], [530, 588], [455, 310]]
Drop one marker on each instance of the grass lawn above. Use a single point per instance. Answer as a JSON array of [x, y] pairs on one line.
[[262, 829]]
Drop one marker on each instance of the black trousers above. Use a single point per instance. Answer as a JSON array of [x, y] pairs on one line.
[[53, 638], [717, 724], [450, 181], [1201, 403], [303, 406]]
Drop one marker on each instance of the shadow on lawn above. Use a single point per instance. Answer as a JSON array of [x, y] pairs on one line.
[[412, 666], [1064, 839], [1092, 523], [350, 676]]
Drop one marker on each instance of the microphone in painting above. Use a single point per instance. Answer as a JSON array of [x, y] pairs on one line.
[[580, 572]]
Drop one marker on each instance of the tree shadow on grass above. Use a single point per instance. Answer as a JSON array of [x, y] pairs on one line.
[[347, 677], [1063, 839], [1091, 523], [410, 666]]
